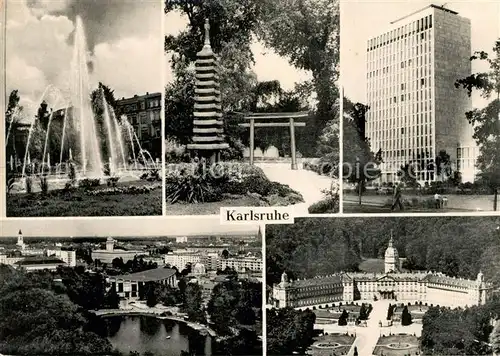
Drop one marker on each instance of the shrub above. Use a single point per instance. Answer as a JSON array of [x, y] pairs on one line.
[[174, 152], [190, 189], [88, 183], [322, 207], [131, 189], [111, 182]]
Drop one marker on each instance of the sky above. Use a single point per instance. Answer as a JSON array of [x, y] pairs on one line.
[[364, 18], [123, 37], [268, 64], [129, 226]]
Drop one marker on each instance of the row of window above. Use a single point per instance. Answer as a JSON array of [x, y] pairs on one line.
[[400, 122], [401, 32], [402, 52], [401, 64], [150, 104]]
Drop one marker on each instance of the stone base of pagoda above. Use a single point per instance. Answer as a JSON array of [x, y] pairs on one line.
[[211, 151]]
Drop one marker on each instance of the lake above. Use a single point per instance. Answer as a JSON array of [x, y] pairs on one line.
[[147, 333]]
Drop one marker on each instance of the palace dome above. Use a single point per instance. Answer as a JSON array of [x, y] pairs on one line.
[[391, 253]]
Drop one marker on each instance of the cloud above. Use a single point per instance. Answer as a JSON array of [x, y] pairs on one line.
[[42, 7], [39, 53], [130, 66], [36, 48]]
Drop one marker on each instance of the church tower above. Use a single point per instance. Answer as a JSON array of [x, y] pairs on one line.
[[391, 257], [110, 244], [20, 240]]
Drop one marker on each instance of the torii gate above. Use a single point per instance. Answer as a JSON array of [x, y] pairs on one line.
[[291, 116]]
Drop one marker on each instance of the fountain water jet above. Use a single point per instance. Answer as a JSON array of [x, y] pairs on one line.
[[90, 152]]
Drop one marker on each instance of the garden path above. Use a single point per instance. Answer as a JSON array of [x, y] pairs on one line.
[[307, 183]]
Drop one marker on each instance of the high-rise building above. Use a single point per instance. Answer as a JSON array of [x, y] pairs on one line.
[[415, 109]]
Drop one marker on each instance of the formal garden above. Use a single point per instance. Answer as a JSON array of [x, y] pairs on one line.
[[331, 344], [397, 345], [353, 313], [235, 140]]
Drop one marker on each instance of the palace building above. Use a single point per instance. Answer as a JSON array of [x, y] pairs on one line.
[[394, 284]]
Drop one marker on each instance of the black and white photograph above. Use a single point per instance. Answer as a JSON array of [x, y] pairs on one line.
[[83, 107], [251, 105], [396, 286], [74, 287], [420, 106]]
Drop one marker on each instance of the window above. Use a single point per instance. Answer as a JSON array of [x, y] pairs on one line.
[[422, 81], [402, 86]]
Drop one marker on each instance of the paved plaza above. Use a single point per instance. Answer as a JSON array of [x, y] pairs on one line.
[[367, 336], [307, 183]]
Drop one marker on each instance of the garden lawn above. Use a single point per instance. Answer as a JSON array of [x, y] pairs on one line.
[[345, 343], [77, 203], [456, 202], [350, 208], [382, 349]]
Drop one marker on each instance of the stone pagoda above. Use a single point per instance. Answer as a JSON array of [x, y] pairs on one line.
[[208, 139]]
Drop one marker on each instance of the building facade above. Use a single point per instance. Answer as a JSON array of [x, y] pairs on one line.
[[429, 287], [143, 113], [131, 286], [241, 264], [110, 253], [180, 258], [415, 109], [67, 256]]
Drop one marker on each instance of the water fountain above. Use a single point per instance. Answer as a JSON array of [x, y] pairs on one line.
[[91, 134]]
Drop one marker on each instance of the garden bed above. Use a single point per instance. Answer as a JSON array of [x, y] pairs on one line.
[[224, 184], [397, 345], [140, 198]]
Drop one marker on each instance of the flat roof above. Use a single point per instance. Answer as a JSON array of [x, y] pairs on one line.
[[150, 275], [425, 8], [39, 261]]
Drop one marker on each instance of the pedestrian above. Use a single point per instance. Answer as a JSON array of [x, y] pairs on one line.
[[397, 198], [438, 200]]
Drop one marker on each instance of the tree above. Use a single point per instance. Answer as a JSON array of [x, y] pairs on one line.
[[193, 303], [289, 330], [306, 32], [12, 114], [495, 337], [390, 312], [360, 164], [112, 300], [151, 296], [443, 166], [343, 318], [363, 312], [118, 263], [406, 317], [486, 121], [56, 324], [408, 174]]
